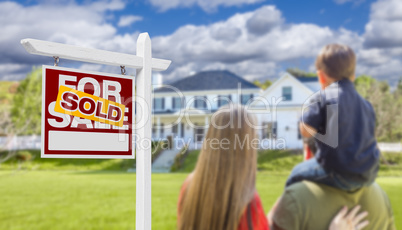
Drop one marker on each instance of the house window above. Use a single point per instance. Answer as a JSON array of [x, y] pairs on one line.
[[177, 103], [198, 133], [223, 100], [269, 130], [245, 98], [153, 130], [287, 93], [200, 102], [159, 103]]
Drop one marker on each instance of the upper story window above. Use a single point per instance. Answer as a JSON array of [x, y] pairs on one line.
[[177, 103], [200, 102], [245, 98], [159, 103], [223, 100], [287, 93]]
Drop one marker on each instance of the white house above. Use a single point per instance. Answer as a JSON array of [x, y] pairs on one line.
[[279, 108], [182, 110]]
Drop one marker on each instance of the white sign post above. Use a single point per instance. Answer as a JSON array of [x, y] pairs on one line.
[[144, 63]]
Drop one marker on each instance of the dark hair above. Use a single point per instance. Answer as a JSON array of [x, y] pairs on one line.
[[337, 61]]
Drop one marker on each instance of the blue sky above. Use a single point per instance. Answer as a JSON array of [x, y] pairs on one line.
[[256, 39]]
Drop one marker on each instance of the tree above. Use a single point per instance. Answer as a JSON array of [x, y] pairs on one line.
[[26, 108], [300, 73], [264, 85], [387, 106]]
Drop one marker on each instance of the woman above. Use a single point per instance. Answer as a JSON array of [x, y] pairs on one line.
[[220, 194]]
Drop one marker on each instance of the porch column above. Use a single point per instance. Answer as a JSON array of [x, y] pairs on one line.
[[206, 122], [158, 129], [179, 130]]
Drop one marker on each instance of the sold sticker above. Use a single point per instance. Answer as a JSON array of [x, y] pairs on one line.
[[84, 105]]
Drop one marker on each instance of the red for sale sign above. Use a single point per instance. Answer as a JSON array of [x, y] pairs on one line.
[[86, 114]]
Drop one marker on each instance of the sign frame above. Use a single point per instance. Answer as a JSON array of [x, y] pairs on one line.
[[81, 156]]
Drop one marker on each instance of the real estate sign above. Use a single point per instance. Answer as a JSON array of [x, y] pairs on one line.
[[86, 114]]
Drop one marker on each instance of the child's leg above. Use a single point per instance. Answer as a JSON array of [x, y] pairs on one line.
[[311, 170], [308, 170]]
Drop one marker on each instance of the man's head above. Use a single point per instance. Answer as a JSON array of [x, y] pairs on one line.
[[335, 62]]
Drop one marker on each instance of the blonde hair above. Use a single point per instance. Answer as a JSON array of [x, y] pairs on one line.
[[223, 182], [337, 61]]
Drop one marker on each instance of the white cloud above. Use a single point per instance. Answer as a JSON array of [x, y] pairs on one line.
[[262, 53], [255, 45], [264, 19], [384, 27], [66, 22], [206, 5], [255, 52], [356, 2], [128, 20]]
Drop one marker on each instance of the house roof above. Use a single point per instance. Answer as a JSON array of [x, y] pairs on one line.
[[306, 79], [310, 82], [209, 80]]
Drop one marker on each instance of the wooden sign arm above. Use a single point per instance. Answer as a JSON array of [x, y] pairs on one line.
[[76, 53]]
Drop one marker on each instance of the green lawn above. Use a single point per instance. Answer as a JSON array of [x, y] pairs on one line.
[[99, 194], [106, 200]]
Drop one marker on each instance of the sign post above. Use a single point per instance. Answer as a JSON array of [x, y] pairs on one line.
[[144, 157], [144, 63]]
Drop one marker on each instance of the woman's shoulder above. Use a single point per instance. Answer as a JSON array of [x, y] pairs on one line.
[[187, 181]]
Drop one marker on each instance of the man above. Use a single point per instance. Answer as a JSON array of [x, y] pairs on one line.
[[309, 206]]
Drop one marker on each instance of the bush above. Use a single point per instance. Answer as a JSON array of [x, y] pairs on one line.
[[23, 156], [179, 159]]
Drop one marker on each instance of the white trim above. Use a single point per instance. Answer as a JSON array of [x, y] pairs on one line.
[[50, 49], [88, 141], [284, 76]]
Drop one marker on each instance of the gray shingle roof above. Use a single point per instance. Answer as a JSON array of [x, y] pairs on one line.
[[209, 80], [306, 79]]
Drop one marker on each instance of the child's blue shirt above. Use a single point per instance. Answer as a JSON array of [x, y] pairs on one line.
[[345, 123]]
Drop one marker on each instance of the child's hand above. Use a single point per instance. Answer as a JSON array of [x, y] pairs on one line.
[[344, 221]]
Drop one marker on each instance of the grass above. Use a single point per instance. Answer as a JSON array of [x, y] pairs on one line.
[[37, 163], [106, 200], [99, 194], [281, 162]]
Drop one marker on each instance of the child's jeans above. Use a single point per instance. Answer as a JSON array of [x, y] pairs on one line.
[[311, 170]]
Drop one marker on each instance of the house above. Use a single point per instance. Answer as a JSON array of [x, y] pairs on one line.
[[278, 110], [183, 109]]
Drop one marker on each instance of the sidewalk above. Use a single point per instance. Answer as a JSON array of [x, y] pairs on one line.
[[163, 163]]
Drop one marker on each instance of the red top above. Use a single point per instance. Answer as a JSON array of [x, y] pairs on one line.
[[307, 153], [258, 216]]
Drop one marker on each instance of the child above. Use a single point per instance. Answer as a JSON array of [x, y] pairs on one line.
[[342, 123]]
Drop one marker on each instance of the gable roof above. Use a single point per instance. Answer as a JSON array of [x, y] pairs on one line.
[[304, 79], [311, 82], [209, 80], [303, 85]]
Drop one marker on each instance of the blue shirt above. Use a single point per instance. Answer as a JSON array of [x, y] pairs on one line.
[[345, 124]]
